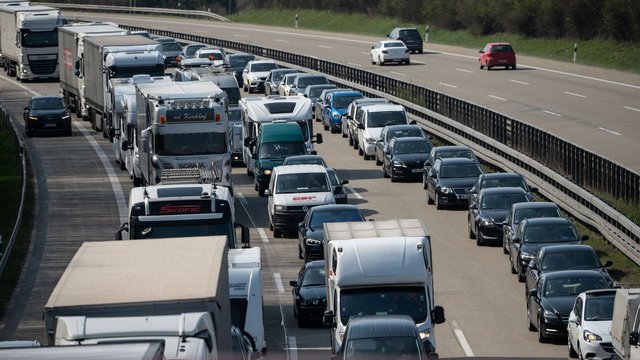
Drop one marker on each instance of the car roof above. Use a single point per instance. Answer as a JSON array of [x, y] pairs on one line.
[[547, 221], [382, 107], [409, 139], [285, 70], [457, 160], [501, 175], [503, 190], [402, 127], [334, 207], [567, 248], [46, 97], [304, 157], [451, 147], [535, 204], [570, 273], [239, 55], [600, 292], [261, 62], [498, 43], [300, 168], [366, 100], [343, 92], [363, 327], [405, 28]]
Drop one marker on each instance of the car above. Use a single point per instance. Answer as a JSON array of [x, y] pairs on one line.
[[384, 337], [337, 185], [551, 301], [525, 210], [500, 179], [309, 293], [449, 181], [533, 234], [404, 158], [321, 101], [395, 131], [450, 151], [371, 120], [409, 36], [311, 229], [171, 51], [255, 73], [497, 54], [189, 51], [46, 114], [349, 121], [388, 51], [302, 81], [274, 78], [589, 323], [565, 257], [335, 106], [304, 159], [216, 56], [287, 81], [237, 62], [487, 214], [313, 92]]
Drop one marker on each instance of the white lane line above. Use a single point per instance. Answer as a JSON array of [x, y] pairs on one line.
[[552, 113], [365, 53], [281, 41], [465, 70], [263, 235], [462, 340], [292, 348], [418, 62], [242, 199], [278, 280], [310, 348], [355, 193], [241, 36], [497, 97], [610, 131], [574, 94], [325, 47], [397, 73], [519, 82], [354, 64], [631, 108], [449, 85]]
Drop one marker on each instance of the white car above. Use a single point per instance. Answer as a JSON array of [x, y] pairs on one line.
[[589, 323], [214, 55], [255, 74], [388, 51], [287, 81]]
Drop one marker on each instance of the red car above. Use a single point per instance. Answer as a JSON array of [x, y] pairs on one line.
[[497, 54]]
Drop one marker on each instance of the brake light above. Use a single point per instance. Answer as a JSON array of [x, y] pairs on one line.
[[163, 119], [218, 118]]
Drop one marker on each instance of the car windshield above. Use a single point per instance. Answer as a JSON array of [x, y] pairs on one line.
[[404, 133], [290, 79], [313, 276], [521, 214], [501, 201], [394, 44], [281, 150], [444, 154], [550, 233], [572, 286], [409, 300], [191, 50], [599, 308], [459, 171], [171, 46], [302, 183], [405, 348], [47, 104], [278, 75], [570, 260], [240, 60], [510, 181], [411, 147], [386, 118], [321, 217], [261, 67], [344, 101], [316, 91]]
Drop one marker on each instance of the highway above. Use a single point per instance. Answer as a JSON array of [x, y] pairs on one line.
[[81, 196]]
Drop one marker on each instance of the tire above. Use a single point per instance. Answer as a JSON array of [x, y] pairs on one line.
[[505, 250], [481, 66], [350, 140], [367, 157], [479, 240], [137, 181], [511, 268], [249, 172], [123, 165], [360, 151], [301, 322], [472, 235], [520, 275], [424, 182], [373, 62], [103, 126], [355, 143], [28, 133], [380, 62], [530, 326], [572, 352], [393, 178], [384, 172], [277, 232], [324, 125], [438, 205], [429, 199], [68, 132], [488, 67], [300, 252], [513, 66], [378, 162]]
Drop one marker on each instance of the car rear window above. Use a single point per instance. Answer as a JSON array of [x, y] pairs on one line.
[[394, 44], [501, 48], [411, 33]]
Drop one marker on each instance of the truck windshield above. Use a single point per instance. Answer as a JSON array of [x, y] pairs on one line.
[[281, 150], [191, 144], [172, 229], [410, 301], [129, 71], [36, 39]]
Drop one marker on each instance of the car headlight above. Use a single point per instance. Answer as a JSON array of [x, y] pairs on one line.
[[526, 256], [486, 222], [589, 336], [66, 116], [335, 115], [266, 172], [313, 242], [311, 302], [425, 335], [446, 190], [31, 117], [370, 140], [398, 163], [549, 314], [281, 207]]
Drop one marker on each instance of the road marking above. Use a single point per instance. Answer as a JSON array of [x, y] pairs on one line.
[[610, 131], [242, 199], [310, 348], [497, 97], [241, 36], [462, 340], [292, 346], [281, 41], [365, 53], [326, 47], [519, 82], [551, 113], [630, 108], [201, 32], [397, 73], [278, 280], [355, 193], [263, 235], [418, 62], [574, 94], [465, 70], [449, 85], [354, 64]]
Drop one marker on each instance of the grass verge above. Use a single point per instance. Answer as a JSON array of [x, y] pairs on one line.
[[597, 52]]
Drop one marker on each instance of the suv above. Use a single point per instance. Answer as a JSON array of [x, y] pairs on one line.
[[349, 122], [371, 120], [255, 73], [409, 36], [335, 106]]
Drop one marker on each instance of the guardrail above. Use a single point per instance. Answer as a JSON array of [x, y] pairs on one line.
[[5, 250]]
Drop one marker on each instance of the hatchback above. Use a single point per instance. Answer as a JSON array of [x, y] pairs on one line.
[[404, 157], [489, 211], [449, 181], [497, 54], [309, 293], [589, 323]]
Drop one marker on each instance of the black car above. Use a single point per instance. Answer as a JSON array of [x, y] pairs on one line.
[[534, 234], [526, 210], [449, 181], [237, 62], [500, 179], [309, 293], [404, 158], [551, 300], [46, 114], [488, 213], [395, 131], [443, 152], [337, 186], [311, 229], [565, 257], [409, 36]]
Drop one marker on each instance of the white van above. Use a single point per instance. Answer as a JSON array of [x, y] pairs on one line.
[[371, 119], [293, 189]]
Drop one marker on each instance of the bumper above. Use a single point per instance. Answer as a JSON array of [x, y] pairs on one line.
[[554, 328], [170, 62], [48, 126], [287, 221], [399, 59], [257, 85], [236, 155], [452, 199], [491, 233], [313, 313], [369, 149], [596, 350], [407, 173]]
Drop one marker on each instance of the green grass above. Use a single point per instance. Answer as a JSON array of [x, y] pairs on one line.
[[598, 52]]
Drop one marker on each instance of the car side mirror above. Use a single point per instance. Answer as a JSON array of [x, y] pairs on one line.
[[372, 47], [481, 52], [533, 292], [515, 239], [345, 182], [607, 264], [534, 190], [26, 108], [124, 145], [123, 227], [313, 152], [413, 122], [305, 95], [318, 138], [254, 156], [573, 319], [244, 236], [267, 192], [293, 283], [328, 319], [532, 266], [437, 315]]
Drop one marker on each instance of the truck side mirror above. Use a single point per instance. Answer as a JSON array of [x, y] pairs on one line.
[[633, 338], [361, 126], [584, 237], [328, 319], [314, 152], [267, 192], [318, 138], [124, 145], [437, 314], [123, 227], [293, 283]]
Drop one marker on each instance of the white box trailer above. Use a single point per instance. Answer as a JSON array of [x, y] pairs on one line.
[[380, 268], [130, 351], [171, 290], [625, 324]]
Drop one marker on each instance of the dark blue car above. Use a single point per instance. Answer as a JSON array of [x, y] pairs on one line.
[[335, 107]]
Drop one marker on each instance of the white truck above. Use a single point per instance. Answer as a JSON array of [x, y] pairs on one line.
[[171, 290], [625, 324], [380, 268], [29, 41], [245, 292], [115, 56], [70, 53], [182, 125], [153, 350]]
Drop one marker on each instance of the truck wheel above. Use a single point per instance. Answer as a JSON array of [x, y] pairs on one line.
[[277, 232], [137, 181]]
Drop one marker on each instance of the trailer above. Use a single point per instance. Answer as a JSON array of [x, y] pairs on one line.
[[625, 324]]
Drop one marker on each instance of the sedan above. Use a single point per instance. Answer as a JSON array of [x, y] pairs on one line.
[[501, 179], [309, 293], [395, 131], [452, 151], [526, 210], [237, 62], [449, 181], [589, 323], [405, 157], [311, 229], [551, 301], [488, 213], [322, 101], [497, 54], [387, 51], [46, 114]]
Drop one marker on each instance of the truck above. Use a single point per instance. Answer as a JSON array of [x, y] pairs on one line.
[[245, 292], [625, 324], [182, 125], [70, 53], [29, 41], [153, 350], [171, 290], [114, 56], [380, 268]]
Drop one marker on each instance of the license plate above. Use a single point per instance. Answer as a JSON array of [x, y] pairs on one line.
[[463, 196], [503, 61], [416, 170], [50, 125]]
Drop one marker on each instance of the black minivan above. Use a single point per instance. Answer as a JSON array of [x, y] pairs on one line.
[[409, 36]]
